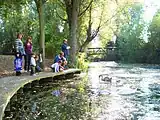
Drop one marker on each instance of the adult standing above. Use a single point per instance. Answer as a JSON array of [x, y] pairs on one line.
[[19, 48], [65, 48], [28, 51]]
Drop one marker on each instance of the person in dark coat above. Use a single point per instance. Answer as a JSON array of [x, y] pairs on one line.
[[28, 51], [65, 48]]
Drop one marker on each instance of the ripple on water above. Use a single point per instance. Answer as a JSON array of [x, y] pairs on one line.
[[126, 91], [153, 115], [134, 96]]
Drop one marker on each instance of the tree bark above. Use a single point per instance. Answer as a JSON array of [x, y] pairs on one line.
[[88, 39], [73, 34], [40, 9], [72, 9]]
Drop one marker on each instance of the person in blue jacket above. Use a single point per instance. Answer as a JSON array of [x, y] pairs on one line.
[[18, 64], [65, 48], [59, 57]]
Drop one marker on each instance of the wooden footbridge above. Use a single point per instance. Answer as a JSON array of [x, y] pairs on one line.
[[9, 86], [109, 48], [99, 50]]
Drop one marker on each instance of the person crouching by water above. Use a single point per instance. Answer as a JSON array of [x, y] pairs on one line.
[[62, 58], [18, 64], [56, 67], [59, 57], [33, 65]]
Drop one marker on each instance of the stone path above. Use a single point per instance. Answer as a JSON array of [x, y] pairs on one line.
[[10, 85]]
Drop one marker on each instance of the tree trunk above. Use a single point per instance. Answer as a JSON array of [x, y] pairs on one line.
[[40, 9], [73, 22]]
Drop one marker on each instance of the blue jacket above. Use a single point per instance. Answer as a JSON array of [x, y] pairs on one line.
[[18, 64], [65, 50], [58, 58]]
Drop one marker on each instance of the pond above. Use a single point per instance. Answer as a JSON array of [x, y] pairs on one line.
[[58, 100], [132, 93]]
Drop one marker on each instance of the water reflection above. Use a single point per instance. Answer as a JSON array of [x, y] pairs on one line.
[[63, 100], [134, 92]]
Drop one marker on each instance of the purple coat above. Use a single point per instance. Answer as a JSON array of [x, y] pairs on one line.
[[28, 48]]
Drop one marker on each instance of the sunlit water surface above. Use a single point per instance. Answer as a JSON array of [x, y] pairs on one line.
[[133, 93]]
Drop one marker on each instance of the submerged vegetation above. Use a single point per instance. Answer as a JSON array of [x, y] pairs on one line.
[[61, 100]]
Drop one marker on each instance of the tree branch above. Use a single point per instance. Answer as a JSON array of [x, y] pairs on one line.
[[116, 2], [91, 36], [44, 1], [61, 17], [86, 8], [62, 4], [68, 4]]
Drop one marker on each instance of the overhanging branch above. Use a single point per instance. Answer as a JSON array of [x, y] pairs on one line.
[[80, 14], [61, 4], [61, 17]]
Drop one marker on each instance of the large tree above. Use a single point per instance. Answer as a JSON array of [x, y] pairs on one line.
[[40, 9], [130, 40], [100, 21], [72, 9], [153, 45]]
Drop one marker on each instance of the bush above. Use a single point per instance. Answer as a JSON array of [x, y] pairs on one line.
[[50, 50], [82, 62]]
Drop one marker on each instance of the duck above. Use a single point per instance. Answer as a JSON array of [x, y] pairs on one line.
[[105, 77]]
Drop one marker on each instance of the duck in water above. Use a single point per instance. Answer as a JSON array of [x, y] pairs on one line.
[[105, 77]]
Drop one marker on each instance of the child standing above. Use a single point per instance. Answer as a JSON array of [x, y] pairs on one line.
[[18, 64], [33, 65]]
